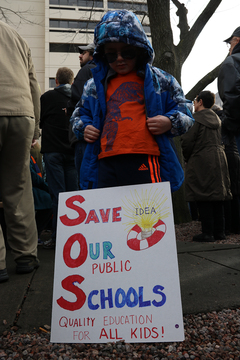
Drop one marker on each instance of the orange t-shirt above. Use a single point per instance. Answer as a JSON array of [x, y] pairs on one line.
[[125, 129]]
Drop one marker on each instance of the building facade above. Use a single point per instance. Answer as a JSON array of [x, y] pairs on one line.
[[55, 28]]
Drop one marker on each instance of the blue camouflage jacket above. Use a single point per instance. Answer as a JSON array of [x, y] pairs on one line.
[[163, 96]]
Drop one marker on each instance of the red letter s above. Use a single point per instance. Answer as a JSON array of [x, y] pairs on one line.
[[82, 214], [68, 284]]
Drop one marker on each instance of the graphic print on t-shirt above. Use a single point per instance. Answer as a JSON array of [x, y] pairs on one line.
[[125, 129], [128, 91]]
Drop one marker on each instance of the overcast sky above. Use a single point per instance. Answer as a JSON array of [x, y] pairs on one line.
[[209, 49]]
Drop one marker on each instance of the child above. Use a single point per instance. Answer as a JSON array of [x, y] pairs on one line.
[[129, 110]]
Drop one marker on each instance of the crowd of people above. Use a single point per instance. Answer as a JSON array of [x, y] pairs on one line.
[[111, 125]]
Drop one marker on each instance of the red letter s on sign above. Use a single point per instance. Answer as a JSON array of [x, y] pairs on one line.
[[82, 214], [68, 284]]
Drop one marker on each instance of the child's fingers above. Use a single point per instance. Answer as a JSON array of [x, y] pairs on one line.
[[91, 133], [159, 124]]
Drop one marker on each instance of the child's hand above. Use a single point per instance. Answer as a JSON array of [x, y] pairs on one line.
[[159, 124], [91, 133]]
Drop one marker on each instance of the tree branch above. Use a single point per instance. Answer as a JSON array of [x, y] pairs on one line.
[[182, 14], [22, 15], [206, 80], [187, 42]]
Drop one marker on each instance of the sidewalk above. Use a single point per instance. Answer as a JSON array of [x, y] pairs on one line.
[[209, 278]]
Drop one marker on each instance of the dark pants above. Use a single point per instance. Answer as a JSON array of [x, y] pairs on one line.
[[129, 169], [3, 225], [61, 177], [212, 217], [193, 210], [43, 220], [232, 215], [80, 147]]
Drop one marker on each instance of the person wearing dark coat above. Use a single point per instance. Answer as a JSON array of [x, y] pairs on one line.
[[231, 207], [229, 89], [58, 155], [83, 75], [3, 223], [206, 174]]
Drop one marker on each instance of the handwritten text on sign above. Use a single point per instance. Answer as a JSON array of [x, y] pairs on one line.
[[116, 274]]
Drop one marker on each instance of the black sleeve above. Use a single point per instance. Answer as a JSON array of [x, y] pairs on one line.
[[77, 87], [229, 91], [82, 77]]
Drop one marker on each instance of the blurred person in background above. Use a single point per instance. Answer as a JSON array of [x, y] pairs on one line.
[[206, 173], [58, 155]]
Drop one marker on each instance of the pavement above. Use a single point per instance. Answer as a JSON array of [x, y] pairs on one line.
[[209, 280]]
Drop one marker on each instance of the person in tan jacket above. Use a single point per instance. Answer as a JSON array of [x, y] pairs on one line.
[[19, 129]]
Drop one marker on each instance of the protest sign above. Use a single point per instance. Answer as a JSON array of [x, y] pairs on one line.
[[116, 270]]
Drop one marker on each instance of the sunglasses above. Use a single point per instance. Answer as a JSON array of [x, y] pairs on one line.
[[127, 54]]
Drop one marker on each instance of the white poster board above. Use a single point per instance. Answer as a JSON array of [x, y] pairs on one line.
[[116, 270]]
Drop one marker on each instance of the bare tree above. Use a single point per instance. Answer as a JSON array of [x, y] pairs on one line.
[[201, 84], [170, 57]]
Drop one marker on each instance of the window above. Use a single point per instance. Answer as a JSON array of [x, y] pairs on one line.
[[52, 82], [53, 23], [65, 48], [90, 3], [72, 24], [63, 2], [83, 3], [63, 23], [128, 6], [147, 29]]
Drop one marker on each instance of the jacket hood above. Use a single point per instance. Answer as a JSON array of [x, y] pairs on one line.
[[236, 49], [208, 118], [65, 89], [121, 26], [89, 62]]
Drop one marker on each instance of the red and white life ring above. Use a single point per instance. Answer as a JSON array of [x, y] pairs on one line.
[[135, 242]]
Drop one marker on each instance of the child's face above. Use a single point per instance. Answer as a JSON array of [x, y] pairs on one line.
[[125, 57]]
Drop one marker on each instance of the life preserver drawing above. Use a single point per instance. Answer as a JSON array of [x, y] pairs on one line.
[[135, 241]]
